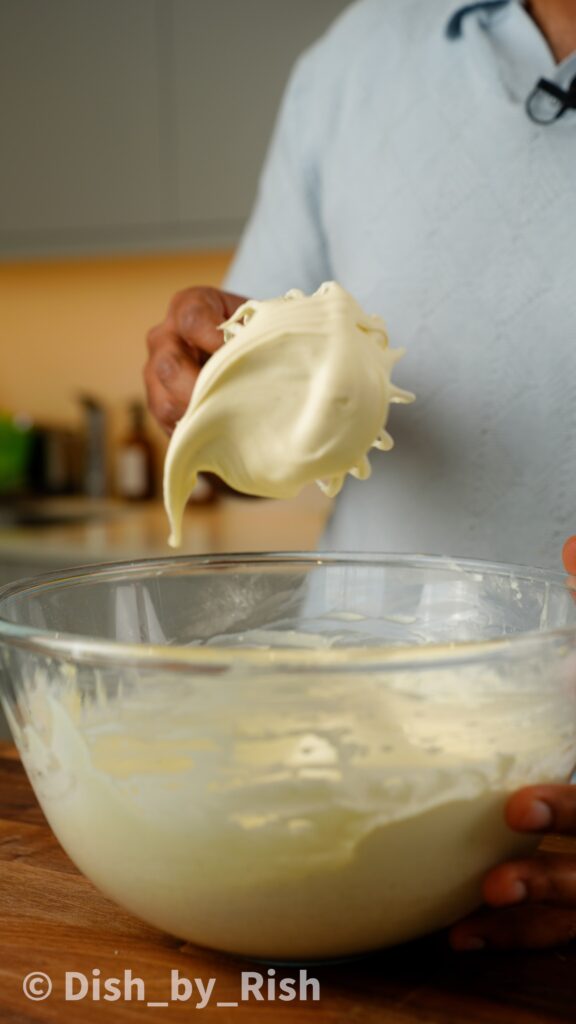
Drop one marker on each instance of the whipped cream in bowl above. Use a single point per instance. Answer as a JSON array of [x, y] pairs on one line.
[[290, 757]]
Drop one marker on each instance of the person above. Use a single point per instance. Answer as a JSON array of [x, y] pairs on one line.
[[424, 158]]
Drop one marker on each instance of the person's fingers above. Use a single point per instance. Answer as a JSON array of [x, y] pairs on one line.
[[169, 376], [180, 345], [160, 404], [522, 927], [569, 556], [543, 809], [174, 368], [197, 314], [536, 896], [546, 878]]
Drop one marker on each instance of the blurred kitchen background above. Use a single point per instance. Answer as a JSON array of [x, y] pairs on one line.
[[133, 132]]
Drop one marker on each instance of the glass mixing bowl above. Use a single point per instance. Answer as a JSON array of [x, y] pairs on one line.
[[290, 756]]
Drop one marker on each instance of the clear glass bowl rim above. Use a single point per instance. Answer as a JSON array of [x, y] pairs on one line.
[[77, 647]]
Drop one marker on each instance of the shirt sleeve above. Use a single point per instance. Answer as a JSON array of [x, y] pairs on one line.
[[283, 245]]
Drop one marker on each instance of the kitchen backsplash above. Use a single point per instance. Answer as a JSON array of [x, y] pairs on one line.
[[69, 329]]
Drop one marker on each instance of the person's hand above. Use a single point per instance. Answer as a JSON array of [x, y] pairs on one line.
[[179, 347], [531, 902], [569, 556]]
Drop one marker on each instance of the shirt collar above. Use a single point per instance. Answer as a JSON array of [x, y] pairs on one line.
[[522, 50], [454, 24]]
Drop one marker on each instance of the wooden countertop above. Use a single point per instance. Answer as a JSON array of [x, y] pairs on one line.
[[112, 530], [53, 920]]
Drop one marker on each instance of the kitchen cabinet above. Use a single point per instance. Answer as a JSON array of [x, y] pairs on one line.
[[229, 71], [83, 164], [139, 124]]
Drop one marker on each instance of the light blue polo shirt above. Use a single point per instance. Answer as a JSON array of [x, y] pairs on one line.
[[405, 166]]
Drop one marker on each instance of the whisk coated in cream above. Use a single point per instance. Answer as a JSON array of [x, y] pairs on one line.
[[300, 391]]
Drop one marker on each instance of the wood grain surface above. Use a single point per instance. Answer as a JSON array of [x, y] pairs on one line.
[[53, 920]]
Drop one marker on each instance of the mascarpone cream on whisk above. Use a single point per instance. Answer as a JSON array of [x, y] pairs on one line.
[[300, 391]]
